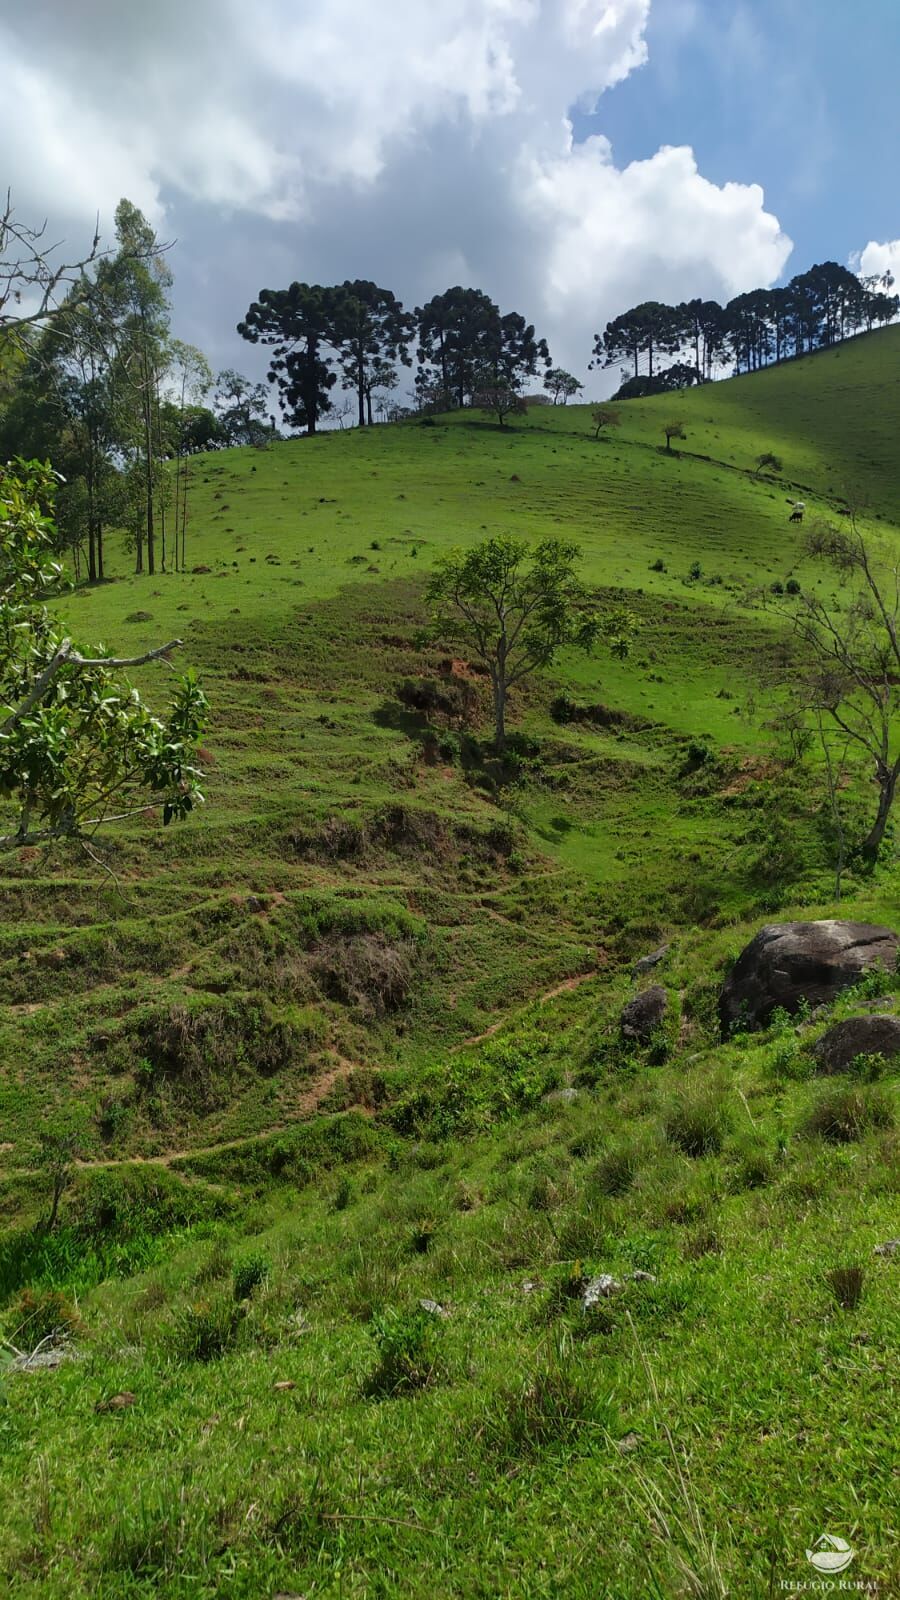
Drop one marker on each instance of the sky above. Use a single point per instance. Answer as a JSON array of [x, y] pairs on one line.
[[570, 157]]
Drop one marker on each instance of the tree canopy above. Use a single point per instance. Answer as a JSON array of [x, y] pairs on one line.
[[514, 606], [78, 745], [815, 310]]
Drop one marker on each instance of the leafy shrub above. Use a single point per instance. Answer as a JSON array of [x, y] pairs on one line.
[[207, 1331], [408, 1353], [695, 570], [248, 1274], [847, 1112], [792, 586], [40, 1314], [696, 1121], [658, 565]]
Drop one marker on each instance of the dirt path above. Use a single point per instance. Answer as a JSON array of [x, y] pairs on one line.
[[566, 987], [307, 1105]]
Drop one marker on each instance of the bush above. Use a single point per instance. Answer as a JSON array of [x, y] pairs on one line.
[[207, 1331], [792, 586], [370, 972], [696, 1122], [408, 1345], [40, 1314], [248, 1274], [848, 1112]]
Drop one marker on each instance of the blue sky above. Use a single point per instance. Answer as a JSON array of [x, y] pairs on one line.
[[800, 96]]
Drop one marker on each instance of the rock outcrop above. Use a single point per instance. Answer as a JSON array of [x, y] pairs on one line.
[[788, 963], [856, 1036], [643, 1015]]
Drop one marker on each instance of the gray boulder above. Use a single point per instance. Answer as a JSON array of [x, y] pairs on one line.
[[642, 1016], [787, 963], [647, 963], [857, 1036]]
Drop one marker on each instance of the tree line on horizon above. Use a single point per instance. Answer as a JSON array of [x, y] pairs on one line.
[[93, 379], [764, 327], [469, 353]]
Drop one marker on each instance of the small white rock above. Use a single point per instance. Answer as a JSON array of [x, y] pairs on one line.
[[599, 1288], [433, 1308]]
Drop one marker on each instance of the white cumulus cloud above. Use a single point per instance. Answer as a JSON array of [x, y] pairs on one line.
[[877, 259], [422, 143]]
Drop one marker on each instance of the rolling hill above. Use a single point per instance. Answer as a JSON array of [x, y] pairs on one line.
[[348, 1040]]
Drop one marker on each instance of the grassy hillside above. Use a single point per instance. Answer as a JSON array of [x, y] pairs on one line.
[[352, 1033]]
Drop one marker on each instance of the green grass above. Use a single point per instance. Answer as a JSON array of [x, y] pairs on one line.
[[348, 1040]]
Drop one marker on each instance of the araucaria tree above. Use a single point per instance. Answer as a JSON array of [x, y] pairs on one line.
[[847, 675], [299, 324], [467, 347], [78, 746], [514, 607], [373, 333]]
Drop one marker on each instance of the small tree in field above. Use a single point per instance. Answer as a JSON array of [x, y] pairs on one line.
[[562, 386], [846, 672], [62, 1143], [768, 462], [673, 430], [515, 606], [605, 417], [501, 397], [78, 746]]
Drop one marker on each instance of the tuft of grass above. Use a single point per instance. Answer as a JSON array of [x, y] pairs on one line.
[[697, 1119], [39, 1314], [557, 1406], [846, 1284], [847, 1112], [248, 1274], [206, 1331]]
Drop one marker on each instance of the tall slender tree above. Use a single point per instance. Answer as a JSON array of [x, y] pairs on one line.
[[135, 285]]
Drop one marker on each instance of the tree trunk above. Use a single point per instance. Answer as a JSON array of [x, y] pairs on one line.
[[887, 784], [498, 681], [92, 548], [60, 1181], [369, 418], [361, 391]]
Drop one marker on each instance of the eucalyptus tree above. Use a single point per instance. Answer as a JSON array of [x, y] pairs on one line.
[[134, 285]]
